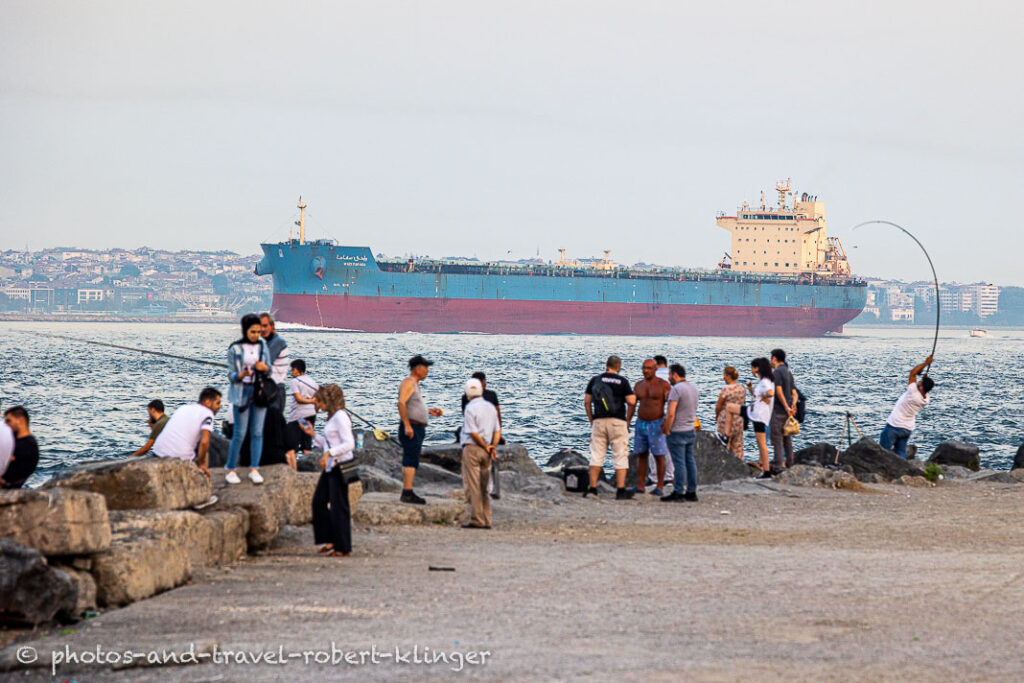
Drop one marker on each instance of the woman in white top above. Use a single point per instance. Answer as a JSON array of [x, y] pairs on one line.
[[760, 410], [332, 522]]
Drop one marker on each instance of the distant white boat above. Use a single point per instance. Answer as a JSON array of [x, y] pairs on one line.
[[978, 332]]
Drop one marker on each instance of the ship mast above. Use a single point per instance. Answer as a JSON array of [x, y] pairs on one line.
[[782, 187], [302, 221]]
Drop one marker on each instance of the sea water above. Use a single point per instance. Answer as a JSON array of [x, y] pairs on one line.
[[88, 402]]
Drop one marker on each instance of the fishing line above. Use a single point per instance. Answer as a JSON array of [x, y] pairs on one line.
[[171, 355], [938, 303]]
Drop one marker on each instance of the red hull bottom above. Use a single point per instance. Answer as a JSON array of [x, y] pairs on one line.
[[392, 314]]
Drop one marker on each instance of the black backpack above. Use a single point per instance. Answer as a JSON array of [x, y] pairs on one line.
[[605, 397], [801, 406]]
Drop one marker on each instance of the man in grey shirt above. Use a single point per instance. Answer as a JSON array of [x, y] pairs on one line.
[[782, 410], [679, 428]]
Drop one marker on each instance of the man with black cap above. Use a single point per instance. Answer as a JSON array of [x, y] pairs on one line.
[[414, 414]]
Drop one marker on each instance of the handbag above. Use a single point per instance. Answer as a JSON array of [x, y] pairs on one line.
[[791, 428], [264, 390]]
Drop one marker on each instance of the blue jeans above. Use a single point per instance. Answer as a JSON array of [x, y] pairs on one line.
[[895, 439], [247, 420], [680, 445]]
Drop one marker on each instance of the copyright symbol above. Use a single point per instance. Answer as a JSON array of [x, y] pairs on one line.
[[27, 655]]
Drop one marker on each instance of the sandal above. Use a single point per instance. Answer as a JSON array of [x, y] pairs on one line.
[[326, 549], [337, 553]]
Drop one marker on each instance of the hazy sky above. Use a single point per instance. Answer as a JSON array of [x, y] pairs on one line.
[[483, 128]]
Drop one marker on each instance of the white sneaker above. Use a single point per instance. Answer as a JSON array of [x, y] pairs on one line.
[[255, 477], [232, 478]]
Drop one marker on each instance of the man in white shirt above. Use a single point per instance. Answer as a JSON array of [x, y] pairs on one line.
[[189, 429], [480, 436], [903, 417]]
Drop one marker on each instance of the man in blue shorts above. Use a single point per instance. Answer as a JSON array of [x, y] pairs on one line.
[[651, 394]]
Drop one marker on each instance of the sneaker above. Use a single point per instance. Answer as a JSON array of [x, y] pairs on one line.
[[255, 477], [765, 475], [232, 478], [672, 497], [690, 497], [590, 491], [657, 492], [410, 497], [623, 494], [724, 438]]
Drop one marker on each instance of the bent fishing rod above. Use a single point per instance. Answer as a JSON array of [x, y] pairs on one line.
[[176, 357], [935, 277]]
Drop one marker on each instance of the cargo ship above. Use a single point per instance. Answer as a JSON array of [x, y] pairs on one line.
[[783, 277]]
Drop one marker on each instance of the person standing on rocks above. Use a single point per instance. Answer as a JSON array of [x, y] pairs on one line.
[[332, 519], [302, 406], [494, 488], [729, 421], [246, 357], [25, 457], [413, 428], [662, 373], [156, 421], [651, 394], [783, 409], [760, 410], [903, 418], [186, 435], [278, 356], [481, 432], [605, 402], [680, 428]]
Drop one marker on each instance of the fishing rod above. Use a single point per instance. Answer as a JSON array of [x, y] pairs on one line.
[[935, 277], [185, 358]]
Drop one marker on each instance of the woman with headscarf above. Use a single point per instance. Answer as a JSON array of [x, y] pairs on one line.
[[727, 412], [246, 357], [332, 523]]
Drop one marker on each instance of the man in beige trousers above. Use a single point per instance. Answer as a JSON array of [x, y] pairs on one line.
[[480, 436]]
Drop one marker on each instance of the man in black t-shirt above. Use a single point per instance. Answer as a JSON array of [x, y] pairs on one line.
[[26, 451], [606, 399], [782, 410]]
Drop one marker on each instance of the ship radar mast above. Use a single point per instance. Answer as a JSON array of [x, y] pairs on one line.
[[302, 221], [782, 187]]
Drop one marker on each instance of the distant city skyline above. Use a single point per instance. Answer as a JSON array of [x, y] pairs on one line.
[[497, 129]]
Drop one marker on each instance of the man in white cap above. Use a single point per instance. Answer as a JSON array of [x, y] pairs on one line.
[[480, 436]]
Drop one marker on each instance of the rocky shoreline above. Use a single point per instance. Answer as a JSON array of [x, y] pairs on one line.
[[108, 534]]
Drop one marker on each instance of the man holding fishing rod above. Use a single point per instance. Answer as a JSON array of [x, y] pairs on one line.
[[903, 418]]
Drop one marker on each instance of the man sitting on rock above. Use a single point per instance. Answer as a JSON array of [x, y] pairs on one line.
[[25, 458], [187, 434], [157, 420], [480, 436], [903, 418]]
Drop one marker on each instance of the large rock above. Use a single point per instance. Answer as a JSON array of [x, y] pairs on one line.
[[816, 454], [956, 472], [377, 480], [86, 588], [55, 522], [146, 483], [31, 591], [384, 508], [268, 505], [140, 563], [957, 453], [229, 531], [218, 453], [1018, 459], [211, 539], [448, 456], [543, 487], [813, 476], [995, 477], [516, 458], [867, 457], [715, 463], [434, 474], [567, 458]]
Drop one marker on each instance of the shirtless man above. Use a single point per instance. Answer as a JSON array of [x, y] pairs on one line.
[[651, 394]]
